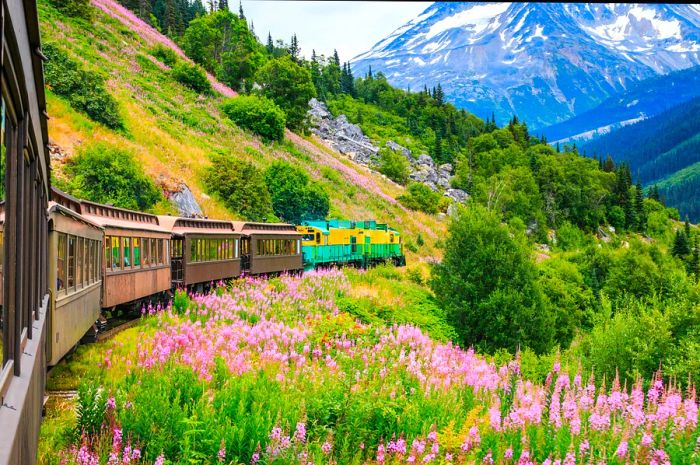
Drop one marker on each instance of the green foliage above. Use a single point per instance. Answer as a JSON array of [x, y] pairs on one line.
[[222, 43], [488, 285], [420, 197], [165, 54], [240, 185], [257, 114], [294, 197], [192, 76], [76, 8], [84, 90], [105, 173], [91, 408], [393, 165], [289, 85]]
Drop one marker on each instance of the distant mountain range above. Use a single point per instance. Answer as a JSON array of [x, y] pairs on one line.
[[544, 62], [662, 150], [640, 101]]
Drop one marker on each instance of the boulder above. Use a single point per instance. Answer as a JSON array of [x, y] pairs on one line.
[[401, 149], [184, 201], [458, 195]]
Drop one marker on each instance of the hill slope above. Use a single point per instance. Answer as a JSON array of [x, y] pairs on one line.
[[172, 130], [665, 147], [545, 62]]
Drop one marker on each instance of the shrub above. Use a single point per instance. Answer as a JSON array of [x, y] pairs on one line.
[[165, 54], [294, 197], [85, 91], [257, 114], [240, 185], [394, 166], [192, 76], [105, 173], [420, 197], [488, 285], [75, 8]]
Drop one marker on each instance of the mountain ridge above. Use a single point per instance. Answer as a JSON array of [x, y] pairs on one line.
[[543, 62]]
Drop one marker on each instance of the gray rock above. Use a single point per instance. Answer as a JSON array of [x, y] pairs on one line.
[[458, 195], [185, 202], [425, 159], [445, 168], [401, 149]]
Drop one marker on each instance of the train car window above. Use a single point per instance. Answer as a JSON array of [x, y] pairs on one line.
[[89, 260], [145, 252], [137, 252], [116, 254], [108, 252], [235, 248], [159, 247], [70, 281], [193, 250], [126, 247], [153, 251], [79, 262], [318, 238], [298, 246], [213, 249], [307, 237], [61, 263]]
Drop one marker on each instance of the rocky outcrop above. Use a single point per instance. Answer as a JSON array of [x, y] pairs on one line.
[[348, 139], [184, 201]]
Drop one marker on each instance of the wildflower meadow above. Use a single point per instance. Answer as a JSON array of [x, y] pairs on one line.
[[273, 372]]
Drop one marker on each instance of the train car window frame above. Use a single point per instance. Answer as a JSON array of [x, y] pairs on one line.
[[61, 263], [127, 259], [70, 274], [136, 248]]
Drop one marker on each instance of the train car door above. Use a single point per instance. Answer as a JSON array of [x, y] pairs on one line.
[[176, 252]]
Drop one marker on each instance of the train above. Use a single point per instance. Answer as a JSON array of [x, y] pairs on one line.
[[101, 257]]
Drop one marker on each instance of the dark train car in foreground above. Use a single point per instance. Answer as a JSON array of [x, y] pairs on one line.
[[269, 248], [75, 272], [202, 250], [24, 142], [136, 258]]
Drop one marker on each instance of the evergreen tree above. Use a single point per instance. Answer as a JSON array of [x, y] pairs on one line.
[[294, 49], [609, 165], [686, 228], [639, 207], [336, 59], [241, 15], [347, 82], [695, 261], [681, 248], [439, 95], [369, 73], [437, 149], [223, 5], [270, 45], [558, 148], [654, 193]]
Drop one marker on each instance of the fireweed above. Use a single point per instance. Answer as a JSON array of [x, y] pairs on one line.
[[270, 371]]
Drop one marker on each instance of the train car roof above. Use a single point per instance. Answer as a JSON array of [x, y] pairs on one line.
[[248, 228], [182, 225], [108, 216], [58, 208]]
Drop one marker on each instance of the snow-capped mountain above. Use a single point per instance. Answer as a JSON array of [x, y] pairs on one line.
[[545, 62]]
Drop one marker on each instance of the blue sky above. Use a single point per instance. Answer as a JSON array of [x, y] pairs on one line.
[[350, 27]]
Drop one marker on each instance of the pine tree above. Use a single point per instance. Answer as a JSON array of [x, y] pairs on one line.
[[695, 261], [294, 48], [336, 59], [144, 9], [680, 245], [223, 5], [241, 15], [609, 165], [558, 148], [639, 207], [654, 193], [686, 227], [270, 44], [369, 73], [439, 95]]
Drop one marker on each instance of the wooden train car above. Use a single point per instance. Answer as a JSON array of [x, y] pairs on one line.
[[136, 254], [202, 250], [340, 242], [269, 248], [75, 272]]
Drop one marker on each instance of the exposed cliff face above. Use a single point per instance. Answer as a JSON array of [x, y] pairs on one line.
[[348, 139], [545, 62]]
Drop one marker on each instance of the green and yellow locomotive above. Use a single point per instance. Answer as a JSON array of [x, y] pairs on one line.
[[339, 242]]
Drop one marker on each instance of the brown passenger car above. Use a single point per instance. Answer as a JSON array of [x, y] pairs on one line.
[[75, 274], [269, 248], [202, 251], [136, 253]]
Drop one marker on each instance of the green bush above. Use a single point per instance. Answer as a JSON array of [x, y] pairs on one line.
[[165, 54], [257, 114], [75, 8], [488, 287], [394, 166], [294, 197], [240, 185], [420, 197], [192, 76], [105, 173], [84, 90]]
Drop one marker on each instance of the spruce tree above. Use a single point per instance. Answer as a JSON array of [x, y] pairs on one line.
[[369, 73], [680, 245], [609, 165], [639, 207], [294, 48], [223, 5], [240, 10], [336, 59], [270, 45], [439, 95]]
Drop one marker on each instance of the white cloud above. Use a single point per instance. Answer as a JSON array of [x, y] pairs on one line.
[[350, 27]]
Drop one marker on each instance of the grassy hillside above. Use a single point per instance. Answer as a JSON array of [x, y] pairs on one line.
[[173, 130]]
